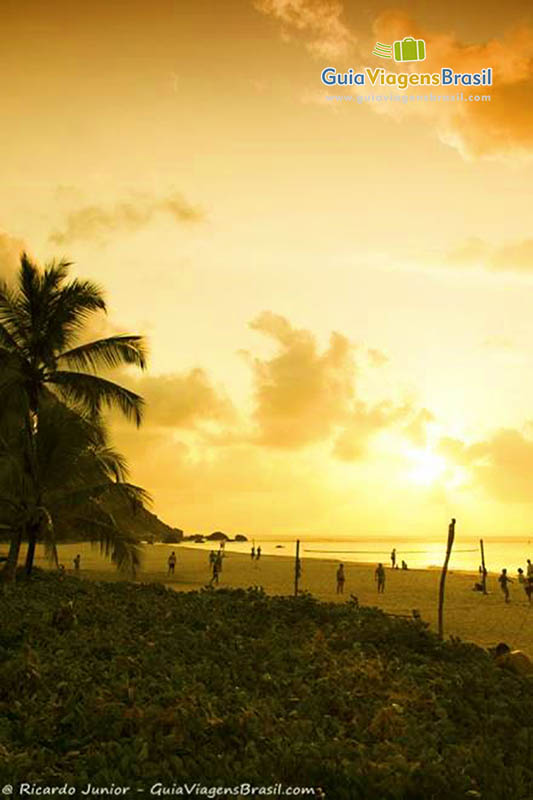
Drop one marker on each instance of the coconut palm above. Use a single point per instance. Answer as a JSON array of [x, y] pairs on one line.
[[40, 322], [84, 492]]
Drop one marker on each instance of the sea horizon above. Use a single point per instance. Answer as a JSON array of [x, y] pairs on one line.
[[418, 552]]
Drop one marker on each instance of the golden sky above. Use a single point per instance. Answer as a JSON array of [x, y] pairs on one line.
[[338, 296]]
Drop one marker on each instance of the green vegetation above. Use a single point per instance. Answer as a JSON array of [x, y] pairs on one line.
[[137, 684]]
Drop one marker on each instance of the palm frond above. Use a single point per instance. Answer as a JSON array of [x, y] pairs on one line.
[[76, 498], [55, 273], [29, 281], [8, 341], [112, 463], [8, 501], [70, 310], [11, 317], [12, 380], [94, 393], [111, 352], [113, 541]]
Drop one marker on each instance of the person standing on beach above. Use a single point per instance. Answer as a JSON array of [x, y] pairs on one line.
[[258, 553], [252, 553], [171, 563], [393, 557], [216, 571], [380, 577], [212, 557], [340, 579], [504, 580], [529, 568]]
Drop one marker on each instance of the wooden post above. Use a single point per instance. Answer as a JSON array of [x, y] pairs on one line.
[[297, 568], [484, 573], [451, 536]]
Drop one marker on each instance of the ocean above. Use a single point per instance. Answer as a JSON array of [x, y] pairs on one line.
[[418, 552]]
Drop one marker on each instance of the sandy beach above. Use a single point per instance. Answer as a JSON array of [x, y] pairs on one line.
[[468, 614]]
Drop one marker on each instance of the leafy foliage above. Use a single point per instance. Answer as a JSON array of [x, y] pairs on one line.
[[136, 684], [82, 481]]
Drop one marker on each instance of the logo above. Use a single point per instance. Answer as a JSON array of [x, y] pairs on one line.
[[407, 49], [404, 50]]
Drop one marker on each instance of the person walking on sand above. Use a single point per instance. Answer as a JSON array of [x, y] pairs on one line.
[[521, 578], [504, 580], [528, 588], [212, 557], [171, 563], [393, 557], [380, 578], [340, 579], [252, 552], [258, 553], [218, 562], [529, 568], [77, 562]]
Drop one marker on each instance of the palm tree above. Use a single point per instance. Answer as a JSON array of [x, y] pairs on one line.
[[84, 492], [40, 322]]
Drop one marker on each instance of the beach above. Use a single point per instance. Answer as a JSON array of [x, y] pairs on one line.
[[484, 620]]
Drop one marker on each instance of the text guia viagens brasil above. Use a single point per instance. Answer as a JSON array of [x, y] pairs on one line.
[[402, 80]]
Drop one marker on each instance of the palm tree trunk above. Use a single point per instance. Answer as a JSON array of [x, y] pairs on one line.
[[32, 426], [9, 572], [30, 555]]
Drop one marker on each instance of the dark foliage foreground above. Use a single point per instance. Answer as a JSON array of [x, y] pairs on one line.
[[136, 684]]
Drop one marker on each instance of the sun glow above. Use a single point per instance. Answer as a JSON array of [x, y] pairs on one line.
[[426, 466]]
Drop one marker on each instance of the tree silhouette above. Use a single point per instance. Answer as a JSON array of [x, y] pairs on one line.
[[41, 319]]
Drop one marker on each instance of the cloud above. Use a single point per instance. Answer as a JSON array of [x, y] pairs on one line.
[[416, 429], [502, 464], [509, 257], [238, 489], [95, 222], [500, 127], [320, 21], [503, 127], [300, 393], [182, 400], [10, 252], [304, 395], [377, 358], [364, 422]]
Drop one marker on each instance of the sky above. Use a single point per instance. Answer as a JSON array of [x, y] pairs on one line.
[[336, 294]]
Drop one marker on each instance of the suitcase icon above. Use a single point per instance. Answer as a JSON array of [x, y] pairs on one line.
[[409, 49]]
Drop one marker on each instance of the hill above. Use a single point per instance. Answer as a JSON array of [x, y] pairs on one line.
[[145, 525], [136, 685]]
